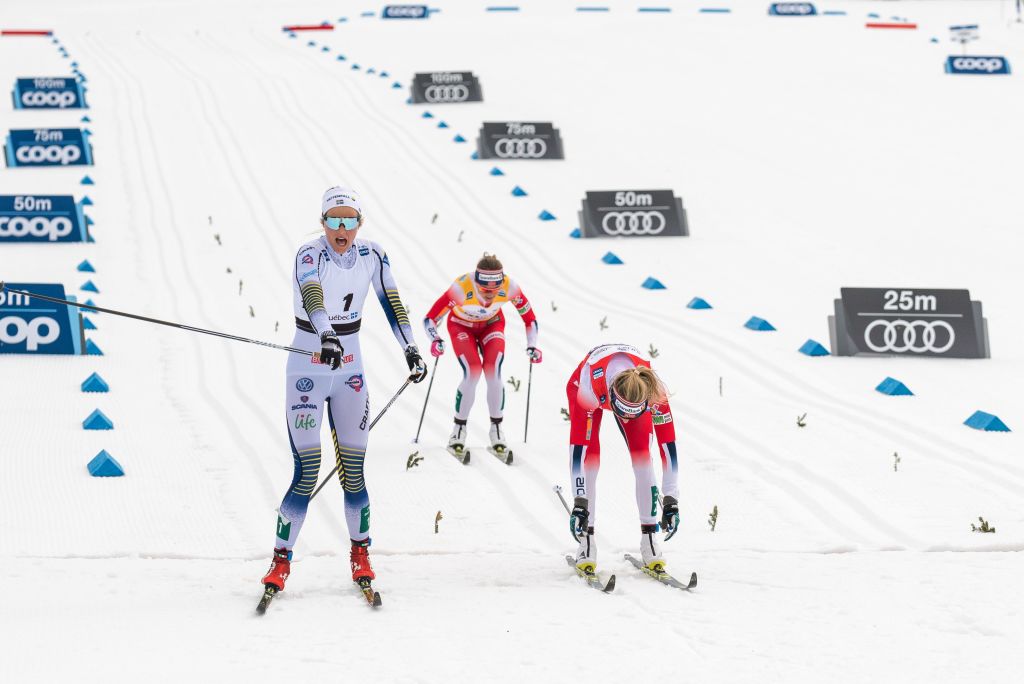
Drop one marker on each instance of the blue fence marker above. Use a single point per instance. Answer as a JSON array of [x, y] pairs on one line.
[[86, 267], [575, 234], [894, 388], [813, 348], [97, 421], [611, 258], [497, 172], [87, 323], [458, 138], [94, 383], [518, 192], [653, 284], [698, 303], [979, 420], [758, 324], [104, 465], [91, 349], [546, 215]]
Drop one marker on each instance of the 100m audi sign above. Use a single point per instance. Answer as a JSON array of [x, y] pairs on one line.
[[632, 213], [872, 321], [519, 140], [443, 87]]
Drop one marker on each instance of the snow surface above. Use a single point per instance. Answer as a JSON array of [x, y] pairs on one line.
[[810, 153]]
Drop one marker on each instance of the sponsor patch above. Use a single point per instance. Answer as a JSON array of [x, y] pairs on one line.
[[307, 259], [304, 385], [598, 373], [355, 382]]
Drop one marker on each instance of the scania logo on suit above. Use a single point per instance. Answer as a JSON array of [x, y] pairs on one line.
[[440, 87], [519, 140], [909, 322], [632, 213]]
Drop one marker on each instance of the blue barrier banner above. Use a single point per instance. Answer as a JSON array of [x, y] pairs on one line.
[[970, 64], [34, 326], [405, 12], [41, 218], [792, 9], [58, 92], [48, 147]]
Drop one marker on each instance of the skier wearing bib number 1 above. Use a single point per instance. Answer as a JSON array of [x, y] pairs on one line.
[[616, 378], [477, 329], [332, 275]]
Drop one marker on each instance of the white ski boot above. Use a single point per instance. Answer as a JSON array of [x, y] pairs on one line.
[[457, 442], [586, 552], [498, 446], [650, 550]]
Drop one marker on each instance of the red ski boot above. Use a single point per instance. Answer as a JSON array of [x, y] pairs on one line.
[[280, 566], [360, 557]]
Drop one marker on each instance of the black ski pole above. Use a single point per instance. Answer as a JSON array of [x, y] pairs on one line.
[[374, 422], [137, 317], [529, 384], [430, 386]]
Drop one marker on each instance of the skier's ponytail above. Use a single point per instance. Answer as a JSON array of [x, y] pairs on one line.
[[640, 384]]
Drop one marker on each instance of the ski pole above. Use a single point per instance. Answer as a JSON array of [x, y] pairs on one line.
[[558, 490], [374, 422], [180, 326], [430, 386], [529, 384]]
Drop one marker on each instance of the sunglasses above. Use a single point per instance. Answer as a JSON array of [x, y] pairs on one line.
[[336, 222]]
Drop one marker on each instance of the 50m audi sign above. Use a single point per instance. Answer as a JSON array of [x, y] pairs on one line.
[[405, 12], [48, 147], [632, 213], [878, 321], [34, 326], [42, 218], [48, 93], [442, 87], [519, 140], [985, 66]]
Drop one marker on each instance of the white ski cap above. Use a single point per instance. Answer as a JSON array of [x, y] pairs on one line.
[[340, 197]]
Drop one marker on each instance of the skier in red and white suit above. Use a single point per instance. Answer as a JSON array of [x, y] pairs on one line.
[[616, 378], [477, 329]]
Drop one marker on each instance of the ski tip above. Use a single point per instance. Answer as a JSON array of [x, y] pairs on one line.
[[693, 581], [377, 603], [610, 585]]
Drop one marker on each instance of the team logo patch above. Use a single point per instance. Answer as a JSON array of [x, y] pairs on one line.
[[304, 385], [304, 398], [660, 418], [355, 382], [598, 373], [365, 251], [307, 259]]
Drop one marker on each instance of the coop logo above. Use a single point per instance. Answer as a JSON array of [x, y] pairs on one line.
[[977, 65], [48, 147], [405, 12], [792, 9], [633, 223], [520, 148], [41, 218], [48, 93], [32, 326], [439, 87]]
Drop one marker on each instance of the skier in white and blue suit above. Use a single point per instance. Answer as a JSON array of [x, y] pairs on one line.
[[333, 274]]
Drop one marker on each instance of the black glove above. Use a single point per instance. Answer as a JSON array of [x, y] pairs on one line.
[[417, 368], [669, 516], [330, 350], [579, 518]]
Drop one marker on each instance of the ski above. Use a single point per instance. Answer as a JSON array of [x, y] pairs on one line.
[[591, 577], [663, 576], [372, 597], [462, 454], [503, 454], [269, 592]]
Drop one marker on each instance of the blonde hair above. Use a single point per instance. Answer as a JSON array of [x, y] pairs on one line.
[[489, 262], [640, 384]]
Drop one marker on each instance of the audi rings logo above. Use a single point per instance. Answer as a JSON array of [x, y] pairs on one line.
[[918, 336], [520, 148], [633, 222], [446, 93]]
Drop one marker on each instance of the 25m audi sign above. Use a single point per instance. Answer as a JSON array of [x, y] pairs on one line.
[[519, 140], [877, 321], [632, 213], [442, 87]]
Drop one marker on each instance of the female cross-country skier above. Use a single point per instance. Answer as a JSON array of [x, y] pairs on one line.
[[616, 378], [477, 330], [331, 278]]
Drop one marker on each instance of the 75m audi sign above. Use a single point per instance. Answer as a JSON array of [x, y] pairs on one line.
[[632, 213], [877, 321], [519, 140]]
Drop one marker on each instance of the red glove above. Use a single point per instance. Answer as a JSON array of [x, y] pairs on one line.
[[534, 354], [437, 347]]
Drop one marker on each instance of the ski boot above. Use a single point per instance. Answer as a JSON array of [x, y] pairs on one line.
[[586, 553], [650, 551], [498, 447], [280, 567], [360, 559], [457, 442]]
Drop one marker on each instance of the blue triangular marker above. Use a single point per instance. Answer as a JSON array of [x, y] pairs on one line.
[[611, 258], [86, 131], [87, 323], [518, 192], [94, 383], [758, 324], [325, 49], [86, 202], [89, 302], [442, 124], [893, 388], [980, 420], [652, 284], [428, 115], [546, 215], [87, 181], [370, 71], [104, 465], [408, 100], [459, 139], [97, 421], [311, 44], [497, 172], [396, 84], [341, 58], [89, 286], [356, 67], [74, 65], [91, 349], [86, 267], [89, 221], [813, 348], [385, 74], [575, 233], [475, 155], [698, 303], [86, 119]]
